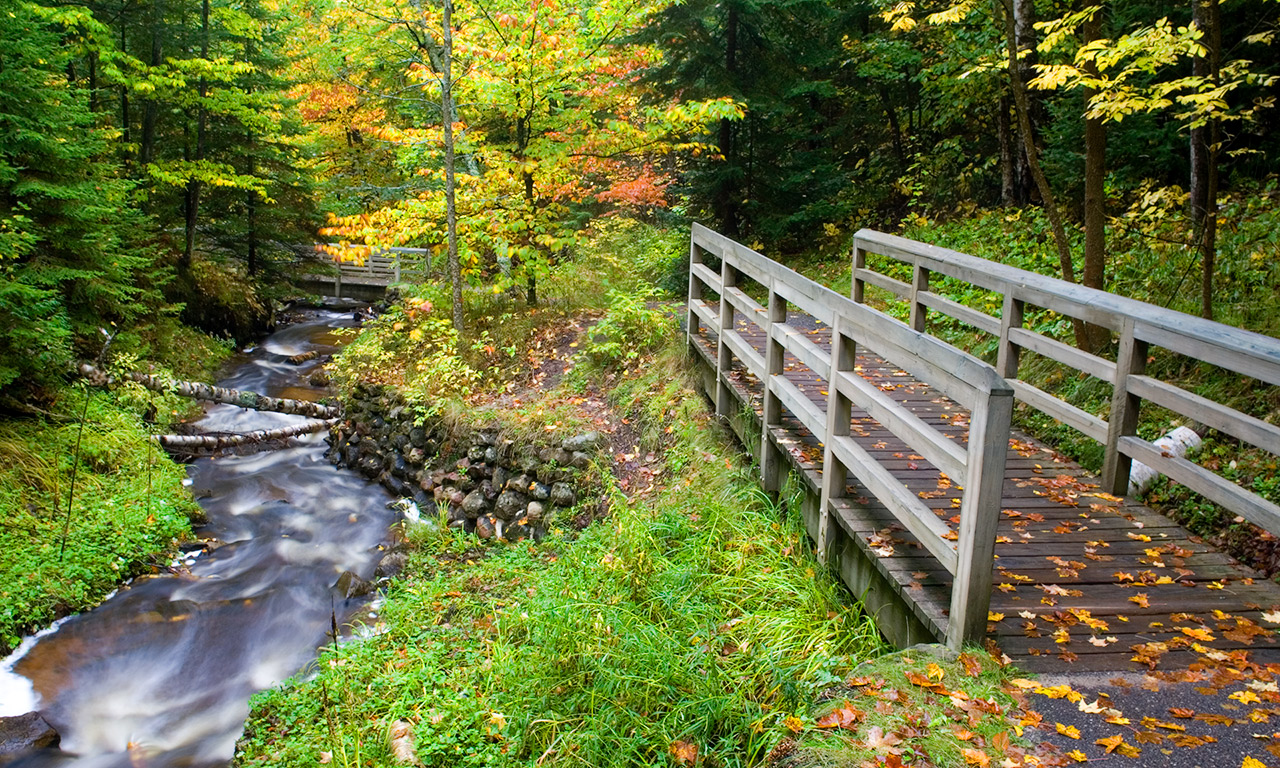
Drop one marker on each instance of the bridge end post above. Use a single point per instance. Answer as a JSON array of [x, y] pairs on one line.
[[695, 293], [979, 517]]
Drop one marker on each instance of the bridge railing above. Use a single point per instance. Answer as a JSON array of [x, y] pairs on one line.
[[1139, 330], [718, 300], [377, 266]]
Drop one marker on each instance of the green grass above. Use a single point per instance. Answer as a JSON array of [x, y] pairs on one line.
[[128, 504]]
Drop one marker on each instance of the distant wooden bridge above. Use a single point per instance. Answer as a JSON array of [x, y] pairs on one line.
[[944, 522], [367, 275]]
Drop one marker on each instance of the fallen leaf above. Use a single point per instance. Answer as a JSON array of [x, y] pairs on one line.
[[1110, 743], [400, 740], [1070, 731], [685, 753], [880, 741], [976, 757]]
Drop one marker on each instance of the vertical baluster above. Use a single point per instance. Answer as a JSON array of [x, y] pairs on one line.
[[1131, 360], [835, 475], [1008, 354], [724, 355], [695, 294], [919, 285], [859, 264], [771, 408]]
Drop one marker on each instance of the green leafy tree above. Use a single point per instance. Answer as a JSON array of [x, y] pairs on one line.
[[68, 260]]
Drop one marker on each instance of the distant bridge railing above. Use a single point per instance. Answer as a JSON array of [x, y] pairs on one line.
[[718, 300], [1137, 328], [366, 266]]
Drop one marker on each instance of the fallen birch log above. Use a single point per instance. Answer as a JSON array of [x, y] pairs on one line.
[[218, 442], [199, 391]]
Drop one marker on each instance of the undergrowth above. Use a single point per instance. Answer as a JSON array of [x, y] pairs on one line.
[[63, 549]]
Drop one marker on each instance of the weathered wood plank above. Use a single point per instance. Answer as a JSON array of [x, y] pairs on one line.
[[1065, 412], [967, 315], [1251, 506], [1260, 433], [1064, 353]]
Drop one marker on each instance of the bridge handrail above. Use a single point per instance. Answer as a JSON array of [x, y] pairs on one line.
[[978, 470], [378, 265], [1138, 326]]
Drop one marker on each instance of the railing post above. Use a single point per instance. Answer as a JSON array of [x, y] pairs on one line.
[[695, 293], [337, 283], [919, 285], [771, 407], [724, 355], [979, 517], [1131, 360], [395, 265], [835, 475], [1007, 355], [858, 290]]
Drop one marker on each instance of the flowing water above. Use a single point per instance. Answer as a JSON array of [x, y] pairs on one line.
[[161, 673]]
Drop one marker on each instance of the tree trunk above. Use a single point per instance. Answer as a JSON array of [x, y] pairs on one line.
[[1024, 33], [199, 391], [725, 202], [191, 203], [895, 128], [221, 441], [450, 205], [151, 113], [1004, 9], [1095, 215], [1008, 151], [1204, 156]]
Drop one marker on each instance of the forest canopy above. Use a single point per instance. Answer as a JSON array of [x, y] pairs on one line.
[[162, 157]]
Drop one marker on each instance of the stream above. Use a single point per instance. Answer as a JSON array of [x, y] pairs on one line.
[[161, 673]]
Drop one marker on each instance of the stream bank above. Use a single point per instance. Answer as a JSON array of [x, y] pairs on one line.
[[161, 672]]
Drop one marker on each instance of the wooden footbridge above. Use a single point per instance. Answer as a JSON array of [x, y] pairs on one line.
[[364, 273], [947, 524]]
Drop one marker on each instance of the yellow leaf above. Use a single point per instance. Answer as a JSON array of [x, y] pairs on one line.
[[1245, 697], [1252, 762], [976, 757], [1070, 731], [793, 724], [993, 616], [1110, 743], [1078, 756]]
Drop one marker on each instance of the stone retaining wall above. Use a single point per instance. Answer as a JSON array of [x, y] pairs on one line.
[[488, 484]]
